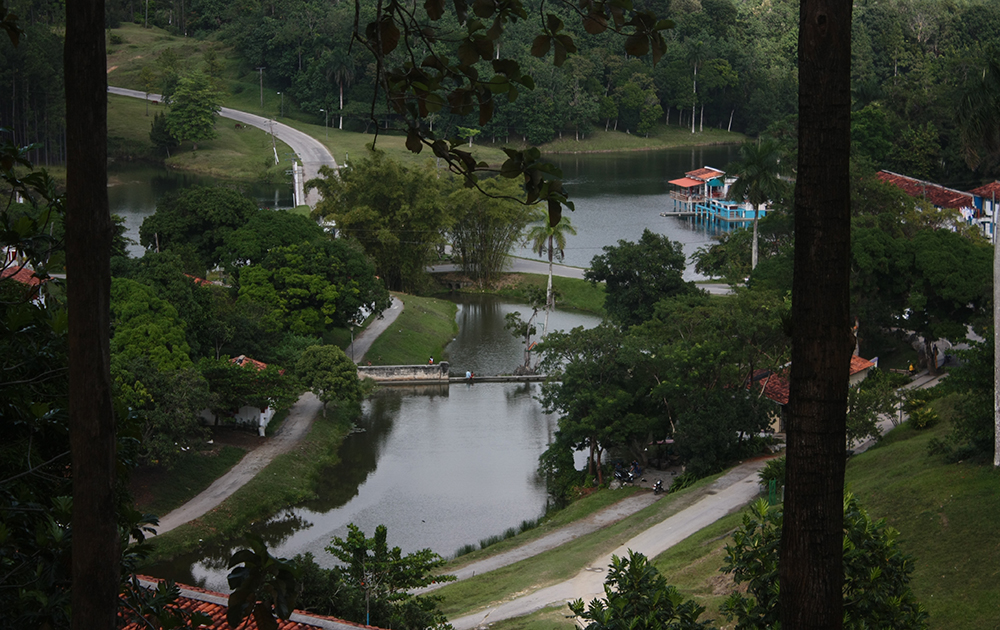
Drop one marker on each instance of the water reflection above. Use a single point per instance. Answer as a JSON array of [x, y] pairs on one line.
[[484, 347], [617, 195], [134, 190]]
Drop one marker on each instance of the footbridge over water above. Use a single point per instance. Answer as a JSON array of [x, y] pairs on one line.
[[433, 373]]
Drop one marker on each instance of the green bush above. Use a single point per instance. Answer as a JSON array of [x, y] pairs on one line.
[[923, 418], [683, 480], [877, 574], [774, 471]]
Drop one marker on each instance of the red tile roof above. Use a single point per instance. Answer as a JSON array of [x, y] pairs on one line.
[[686, 182], [774, 387], [245, 360], [938, 195], [705, 174], [198, 281], [213, 605], [859, 365], [21, 274], [988, 190]]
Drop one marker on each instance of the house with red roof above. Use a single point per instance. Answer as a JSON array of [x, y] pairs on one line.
[[27, 280], [247, 414], [701, 194], [775, 386], [972, 205], [985, 199], [215, 605]]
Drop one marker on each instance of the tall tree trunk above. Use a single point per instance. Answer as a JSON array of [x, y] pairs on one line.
[[753, 247], [730, 127], [549, 302], [342, 105], [95, 563], [811, 566]]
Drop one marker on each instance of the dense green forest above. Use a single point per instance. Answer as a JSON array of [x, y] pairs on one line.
[[728, 64]]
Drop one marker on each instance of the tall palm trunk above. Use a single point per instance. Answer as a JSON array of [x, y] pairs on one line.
[[753, 248]]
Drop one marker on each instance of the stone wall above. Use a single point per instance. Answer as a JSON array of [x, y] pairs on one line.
[[437, 372]]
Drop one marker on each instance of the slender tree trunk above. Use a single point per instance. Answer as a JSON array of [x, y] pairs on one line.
[[811, 566], [730, 127], [701, 119], [342, 106], [753, 247], [95, 562], [549, 302]]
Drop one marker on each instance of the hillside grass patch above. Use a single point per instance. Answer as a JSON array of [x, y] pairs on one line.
[[559, 564], [166, 489], [422, 330]]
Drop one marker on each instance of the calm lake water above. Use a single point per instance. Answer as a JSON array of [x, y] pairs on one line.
[[439, 466], [617, 195], [443, 467]]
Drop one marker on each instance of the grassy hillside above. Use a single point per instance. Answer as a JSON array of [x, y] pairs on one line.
[[422, 330], [245, 155], [133, 47], [946, 515]]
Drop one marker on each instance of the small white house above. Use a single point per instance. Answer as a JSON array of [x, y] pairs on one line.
[[246, 415]]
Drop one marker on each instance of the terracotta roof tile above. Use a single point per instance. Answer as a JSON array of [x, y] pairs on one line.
[[246, 361], [987, 190], [20, 274], [859, 364], [938, 195], [213, 605], [705, 173]]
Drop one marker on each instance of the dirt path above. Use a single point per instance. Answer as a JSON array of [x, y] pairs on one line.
[[295, 427]]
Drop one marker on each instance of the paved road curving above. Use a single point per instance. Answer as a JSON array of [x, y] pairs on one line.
[[729, 493], [312, 153]]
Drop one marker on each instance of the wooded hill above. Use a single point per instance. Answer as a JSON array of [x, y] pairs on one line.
[[728, 64]]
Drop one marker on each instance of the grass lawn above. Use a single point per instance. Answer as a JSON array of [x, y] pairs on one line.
[[662, 137], [422, 330], [571, 293], [562, 563], [288, 480], [245, 155], [159, 490], [946, 515]]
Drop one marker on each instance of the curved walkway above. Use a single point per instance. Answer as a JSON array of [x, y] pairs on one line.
[[729, 493], [295, 427], [312, 153]]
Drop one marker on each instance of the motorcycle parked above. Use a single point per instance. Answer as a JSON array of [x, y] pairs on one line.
[[658, 487]]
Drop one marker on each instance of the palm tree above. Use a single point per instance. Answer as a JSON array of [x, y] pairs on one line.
[[758, 174], [543, 238]]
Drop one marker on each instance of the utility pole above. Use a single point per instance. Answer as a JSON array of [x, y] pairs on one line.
[[281, 111], [326, 130], [260, 71]]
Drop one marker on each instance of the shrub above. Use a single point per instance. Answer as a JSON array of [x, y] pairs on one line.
[[877, 574], [774, 471], [683, 480], [923, 418]]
